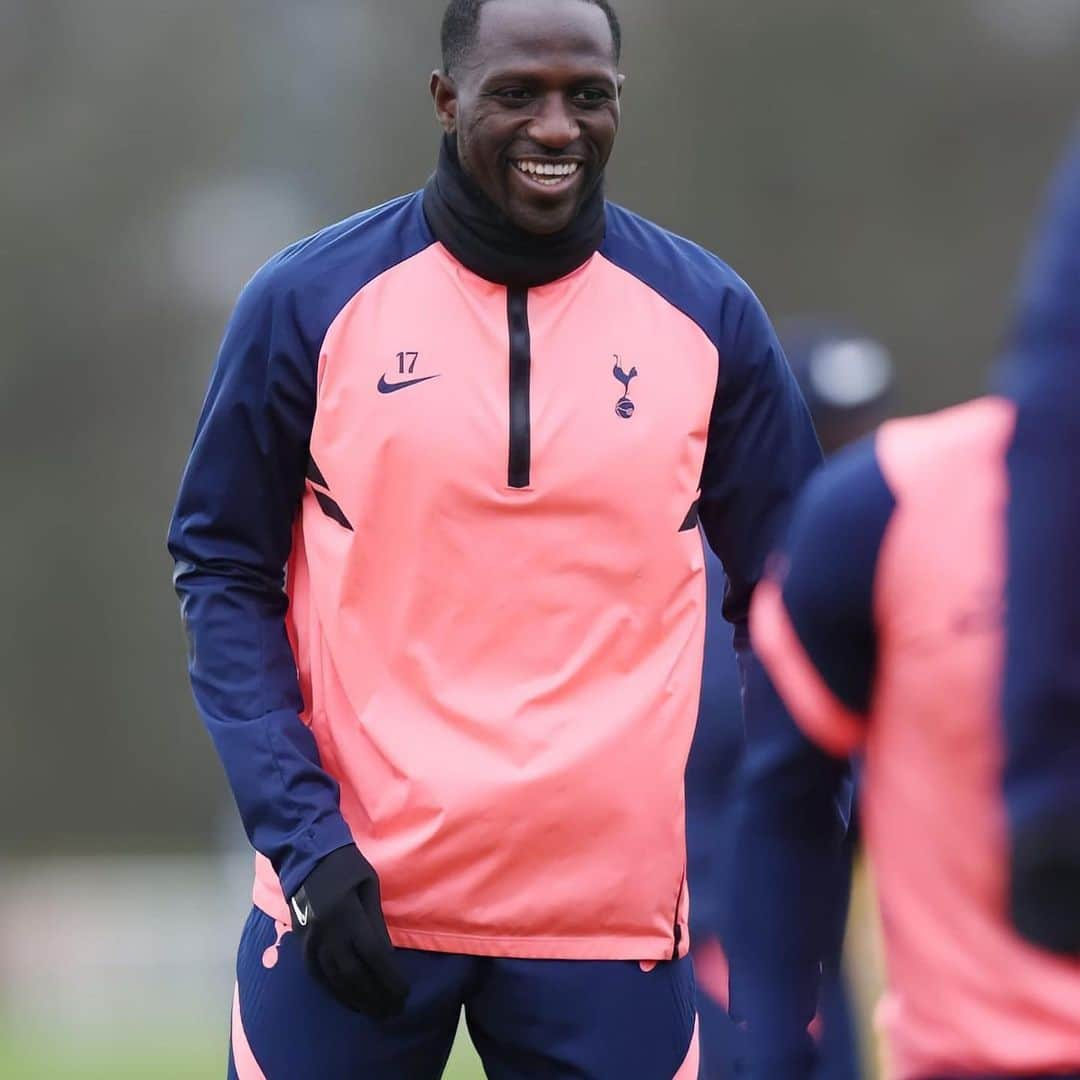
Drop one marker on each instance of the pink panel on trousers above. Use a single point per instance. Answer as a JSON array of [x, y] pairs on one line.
[[690, 1067], [817, 710], [270, 954], [247, 1068], [711, 971]]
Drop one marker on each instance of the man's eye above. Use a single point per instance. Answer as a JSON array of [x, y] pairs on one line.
[[590, 96], [513, 93]]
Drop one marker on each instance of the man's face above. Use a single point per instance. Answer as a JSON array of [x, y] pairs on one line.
[[535, 107]]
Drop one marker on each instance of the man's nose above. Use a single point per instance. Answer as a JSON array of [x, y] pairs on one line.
[[554, 126]]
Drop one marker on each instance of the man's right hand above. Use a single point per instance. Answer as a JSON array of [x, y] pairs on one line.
[[338, 917]]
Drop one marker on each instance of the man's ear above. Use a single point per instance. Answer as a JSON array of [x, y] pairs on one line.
[[619, 80], [444, 94]]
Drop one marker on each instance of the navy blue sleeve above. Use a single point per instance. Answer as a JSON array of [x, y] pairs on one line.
[[231, 536], [761, 450], [231, 532], [1042, 670], [832, 556], [761, 443], [790, 851]]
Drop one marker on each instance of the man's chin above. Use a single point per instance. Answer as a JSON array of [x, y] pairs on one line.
[[542, 220]]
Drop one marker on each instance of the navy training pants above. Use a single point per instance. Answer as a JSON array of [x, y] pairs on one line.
[[590, 1020]]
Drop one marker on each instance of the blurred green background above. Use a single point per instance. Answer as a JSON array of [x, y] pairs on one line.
[[878, 162], [137, 1057]]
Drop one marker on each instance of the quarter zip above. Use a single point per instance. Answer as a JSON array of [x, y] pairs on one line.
[[520, 456]]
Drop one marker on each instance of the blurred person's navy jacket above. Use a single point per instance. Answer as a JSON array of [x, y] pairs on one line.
[[1042, 671]]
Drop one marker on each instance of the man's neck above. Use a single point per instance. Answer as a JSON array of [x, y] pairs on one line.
[[486, 242]]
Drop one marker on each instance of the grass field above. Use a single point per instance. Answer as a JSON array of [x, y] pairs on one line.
[[192, 1050], [168, 1057]]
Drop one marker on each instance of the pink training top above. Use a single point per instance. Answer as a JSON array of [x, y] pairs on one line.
[[471, 741], [966, 995], [488, 497]]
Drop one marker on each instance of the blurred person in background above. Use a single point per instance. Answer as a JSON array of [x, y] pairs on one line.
[[481, 424], [883, 624], [1042, 669], [846, 378]]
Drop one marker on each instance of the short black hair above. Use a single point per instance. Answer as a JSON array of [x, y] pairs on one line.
[[462, 16]]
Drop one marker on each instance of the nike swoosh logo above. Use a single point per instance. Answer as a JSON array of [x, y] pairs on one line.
[[390, 387], [302, 914]]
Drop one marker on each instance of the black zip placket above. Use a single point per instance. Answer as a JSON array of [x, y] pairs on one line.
[[520, 457], [486, 242]]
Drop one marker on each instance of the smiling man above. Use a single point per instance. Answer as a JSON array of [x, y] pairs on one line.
[[538, 168], [438, 558]]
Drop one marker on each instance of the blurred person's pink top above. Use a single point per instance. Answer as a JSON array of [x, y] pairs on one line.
[[966, 995]]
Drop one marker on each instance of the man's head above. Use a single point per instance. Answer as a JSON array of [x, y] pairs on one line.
[[530, 90]]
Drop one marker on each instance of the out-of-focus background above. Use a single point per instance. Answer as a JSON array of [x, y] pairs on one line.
[[879, 163]]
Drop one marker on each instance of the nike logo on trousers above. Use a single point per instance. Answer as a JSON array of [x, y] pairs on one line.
[[302, 913]]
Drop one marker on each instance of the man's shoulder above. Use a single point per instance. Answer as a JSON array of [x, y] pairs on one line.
[[689, 276], [334, 263], [630, 233], [849, 482]]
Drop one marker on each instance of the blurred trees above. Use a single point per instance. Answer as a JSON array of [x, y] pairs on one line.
[[878, 161]]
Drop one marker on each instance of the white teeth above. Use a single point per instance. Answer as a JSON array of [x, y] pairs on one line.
[[548, 173]]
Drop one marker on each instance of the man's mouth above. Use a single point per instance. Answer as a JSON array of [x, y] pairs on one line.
[[548, 174]]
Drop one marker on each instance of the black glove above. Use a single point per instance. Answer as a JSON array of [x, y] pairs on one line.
[[337, 915], [1045, 887]]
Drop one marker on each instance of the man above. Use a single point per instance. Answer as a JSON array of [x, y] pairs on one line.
[[481, 424], [1042, 670], [846, 378], [883, 627]]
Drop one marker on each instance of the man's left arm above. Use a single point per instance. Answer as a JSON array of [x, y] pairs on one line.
[[814, 625], [761, 450]]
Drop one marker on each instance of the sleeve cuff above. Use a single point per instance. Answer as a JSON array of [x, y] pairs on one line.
[[330, 836]]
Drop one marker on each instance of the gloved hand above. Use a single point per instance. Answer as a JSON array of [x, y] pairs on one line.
[[338, 917], [1044, 885]]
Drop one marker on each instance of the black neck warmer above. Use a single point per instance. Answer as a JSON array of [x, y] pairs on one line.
[[485, 241]]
